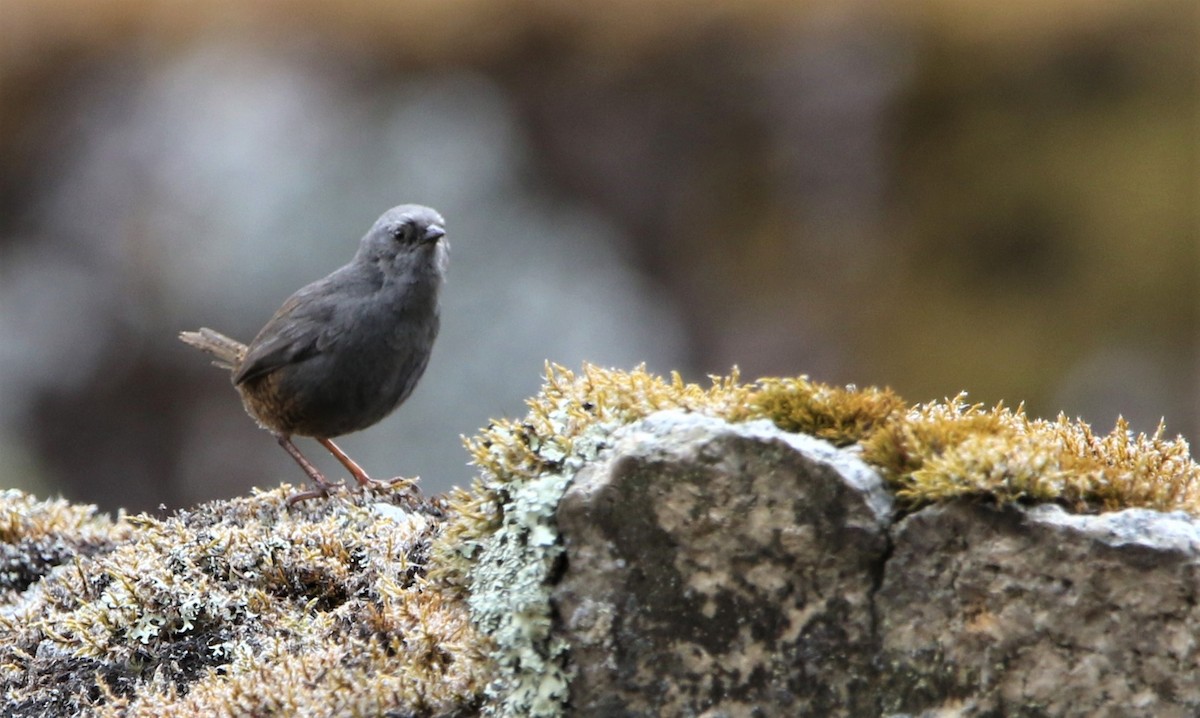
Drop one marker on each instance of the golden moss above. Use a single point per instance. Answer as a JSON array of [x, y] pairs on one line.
[[944, 450], [904, 445], [566, 409], [841, 415], [930, 452], [568, 404]]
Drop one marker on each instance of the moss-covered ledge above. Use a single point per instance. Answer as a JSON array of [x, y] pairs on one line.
[[237, 608], [502, 544], [927, 452], [403, 605]]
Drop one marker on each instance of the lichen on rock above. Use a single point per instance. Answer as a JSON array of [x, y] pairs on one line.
[[1036, 611]]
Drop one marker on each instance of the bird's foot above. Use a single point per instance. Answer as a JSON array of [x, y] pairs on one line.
[[319, 492], [398, 484]]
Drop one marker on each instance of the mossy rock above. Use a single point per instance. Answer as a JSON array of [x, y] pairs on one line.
[[397, 604]]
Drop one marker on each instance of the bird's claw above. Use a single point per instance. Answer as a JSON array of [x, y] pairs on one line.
[[398, 484], [319, 492]]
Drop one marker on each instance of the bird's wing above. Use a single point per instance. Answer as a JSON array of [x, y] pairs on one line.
[[294, 334]]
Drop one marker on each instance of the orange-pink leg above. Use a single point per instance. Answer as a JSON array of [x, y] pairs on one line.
[[355, 470], [323, 486]]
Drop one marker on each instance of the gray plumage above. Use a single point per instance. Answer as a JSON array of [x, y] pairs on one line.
[[343, 352]]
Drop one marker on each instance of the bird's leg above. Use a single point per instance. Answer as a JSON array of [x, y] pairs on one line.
[[357, 471], [323, 486]]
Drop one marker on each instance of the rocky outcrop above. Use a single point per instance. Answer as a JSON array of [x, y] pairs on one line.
[[735, 570], [673, 564]]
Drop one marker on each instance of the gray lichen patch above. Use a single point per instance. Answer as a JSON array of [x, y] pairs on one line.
[[247, 607], [509, 601], [503, 546], [510, 577]]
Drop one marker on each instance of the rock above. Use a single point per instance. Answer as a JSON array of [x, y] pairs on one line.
[[716, 569], [720, 569], [1040, 612]]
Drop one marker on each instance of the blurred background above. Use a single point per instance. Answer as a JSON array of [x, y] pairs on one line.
[[938, 196]]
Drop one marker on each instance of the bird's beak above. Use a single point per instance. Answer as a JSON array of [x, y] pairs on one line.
[[433, 233]]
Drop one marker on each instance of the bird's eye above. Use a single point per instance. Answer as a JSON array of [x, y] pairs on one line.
[[403, 231]]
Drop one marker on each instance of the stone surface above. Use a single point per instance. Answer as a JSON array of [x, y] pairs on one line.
[[734, 570], [1040, 612], [721, 569]]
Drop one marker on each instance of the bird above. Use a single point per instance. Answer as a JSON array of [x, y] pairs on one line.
[[345, 351]]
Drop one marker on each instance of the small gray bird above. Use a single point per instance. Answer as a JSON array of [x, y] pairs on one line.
[[343, 352]]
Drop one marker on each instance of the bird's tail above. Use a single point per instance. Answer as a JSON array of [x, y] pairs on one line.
[[229, 352]]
